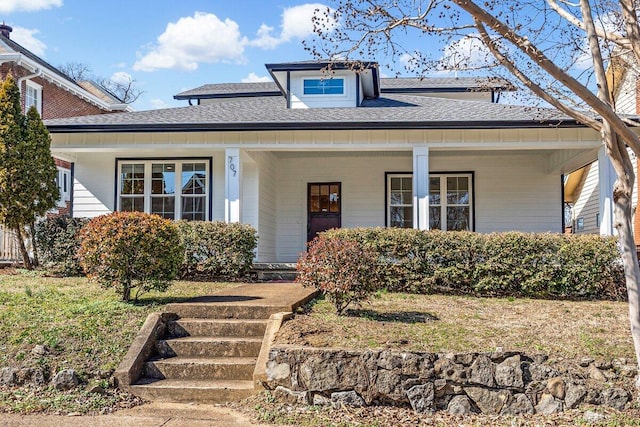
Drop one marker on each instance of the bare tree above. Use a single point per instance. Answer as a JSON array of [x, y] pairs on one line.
[[123, 88], [556, 49]]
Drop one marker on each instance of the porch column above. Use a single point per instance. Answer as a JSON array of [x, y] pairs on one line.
[[232, 185], [606, 178], [421, 188]]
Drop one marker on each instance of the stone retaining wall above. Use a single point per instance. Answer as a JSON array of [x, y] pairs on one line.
[[507, 383]]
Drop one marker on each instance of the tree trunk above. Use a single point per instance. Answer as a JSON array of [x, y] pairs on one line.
[[622, 214], [23, 249], [126, 292], [32, 233]]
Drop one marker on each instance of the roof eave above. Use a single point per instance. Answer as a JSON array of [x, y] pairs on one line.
[[275, 126]]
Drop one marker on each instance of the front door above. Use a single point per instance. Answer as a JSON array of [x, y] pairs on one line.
[[324, 207]]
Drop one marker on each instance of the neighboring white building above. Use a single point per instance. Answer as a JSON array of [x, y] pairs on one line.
[[588, 190], [311, 151]]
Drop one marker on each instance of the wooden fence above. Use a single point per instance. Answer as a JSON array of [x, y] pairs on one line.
[[9, 251]]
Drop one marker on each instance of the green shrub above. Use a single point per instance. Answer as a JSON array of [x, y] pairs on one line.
[[541, 265], [216, 249], [58, 240], [127, 250], [345, 271]]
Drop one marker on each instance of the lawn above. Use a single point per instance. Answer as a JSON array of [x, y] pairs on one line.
[[84, 327], [89, 329], [444, 323]]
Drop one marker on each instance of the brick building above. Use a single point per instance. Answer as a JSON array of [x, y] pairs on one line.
[[55, 95]]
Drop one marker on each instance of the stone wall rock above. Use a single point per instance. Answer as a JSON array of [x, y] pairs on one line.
[[500, 383]]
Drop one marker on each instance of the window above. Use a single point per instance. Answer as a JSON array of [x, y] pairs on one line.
[[450, 201], [400, 201], [63, 179], [323, 86], [33, 96], [171, 189]]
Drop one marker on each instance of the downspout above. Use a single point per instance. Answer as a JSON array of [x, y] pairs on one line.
[[38, 73]]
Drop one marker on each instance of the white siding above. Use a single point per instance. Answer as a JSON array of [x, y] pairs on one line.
[[267, 165], [300, 100], [512, 192], [587, 205], [93, 185], [626, 97]]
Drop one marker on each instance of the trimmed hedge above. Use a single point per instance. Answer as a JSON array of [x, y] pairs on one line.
[[540, 265], [216, 249], [57, 241]]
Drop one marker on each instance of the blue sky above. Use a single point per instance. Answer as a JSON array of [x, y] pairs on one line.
[[166, 46]]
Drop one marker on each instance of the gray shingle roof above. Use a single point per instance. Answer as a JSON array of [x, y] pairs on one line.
[[387, 85], [391, 111]]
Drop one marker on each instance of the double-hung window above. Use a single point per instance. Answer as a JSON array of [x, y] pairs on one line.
[[33, 96], [173, 189], [450, 201]]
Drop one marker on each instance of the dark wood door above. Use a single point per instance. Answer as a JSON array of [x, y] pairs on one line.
[[324, 204]]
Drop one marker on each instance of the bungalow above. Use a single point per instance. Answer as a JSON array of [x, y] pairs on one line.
[[314, 150]]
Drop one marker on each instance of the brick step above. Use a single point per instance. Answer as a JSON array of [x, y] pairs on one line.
[[192, 391], [217, 368], [223, 311], [216, 327], [209, 347]]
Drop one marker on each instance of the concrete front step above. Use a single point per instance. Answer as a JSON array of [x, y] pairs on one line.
[[224, 311], [216, 327], [209, 347], [275, 271], [216, 368], [196, 391]]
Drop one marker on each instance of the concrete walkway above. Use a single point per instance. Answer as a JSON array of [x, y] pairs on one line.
[[161, 414]]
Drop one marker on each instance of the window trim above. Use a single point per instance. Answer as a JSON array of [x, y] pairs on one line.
[[65, 196], [179, 161], [310, 78], [472, 203], [29, 84]]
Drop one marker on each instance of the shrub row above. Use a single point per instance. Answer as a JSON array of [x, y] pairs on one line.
[[211, 249], [542, 265]]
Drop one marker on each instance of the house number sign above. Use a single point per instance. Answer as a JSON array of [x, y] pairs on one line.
[[232, 166]]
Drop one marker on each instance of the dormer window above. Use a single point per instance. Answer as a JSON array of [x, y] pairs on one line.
[[33, 96], [323, 86]]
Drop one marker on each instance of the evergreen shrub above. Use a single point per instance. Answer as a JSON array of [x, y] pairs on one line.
[[216, 249], [58, 241]]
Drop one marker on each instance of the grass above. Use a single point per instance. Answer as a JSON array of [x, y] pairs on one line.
[[85, 327], [439, 323]]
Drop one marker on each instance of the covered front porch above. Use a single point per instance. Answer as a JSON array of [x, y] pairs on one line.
[[291, 184]]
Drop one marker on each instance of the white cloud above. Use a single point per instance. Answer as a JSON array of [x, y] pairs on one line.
[[8, 6], [27, 38], [254, 78], [158, 104], [468, 53], [297, 23], [121, 77], [201, 38]]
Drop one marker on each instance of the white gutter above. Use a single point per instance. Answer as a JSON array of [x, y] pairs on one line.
[[38, 73], [58, 80]]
